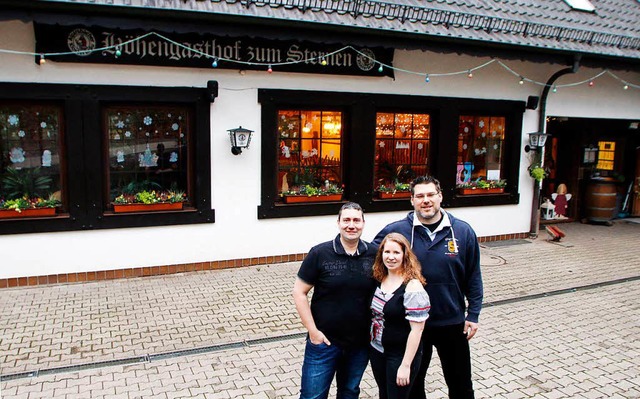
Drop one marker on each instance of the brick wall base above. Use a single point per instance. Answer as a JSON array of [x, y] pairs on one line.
[[186, 267]]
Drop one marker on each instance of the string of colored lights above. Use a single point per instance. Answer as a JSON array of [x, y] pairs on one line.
[[321, 59]]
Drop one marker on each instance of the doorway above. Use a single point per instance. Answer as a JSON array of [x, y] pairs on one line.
[[598, 162]]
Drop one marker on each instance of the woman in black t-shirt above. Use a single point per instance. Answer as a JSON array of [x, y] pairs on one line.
[[400, 307]]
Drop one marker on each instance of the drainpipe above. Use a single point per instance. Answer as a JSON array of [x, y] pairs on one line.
[[542, 127]]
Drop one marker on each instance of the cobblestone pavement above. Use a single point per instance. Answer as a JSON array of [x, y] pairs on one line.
[[560, 321]]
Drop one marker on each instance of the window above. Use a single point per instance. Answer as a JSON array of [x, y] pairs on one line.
[[480, 151], [371, 144], [310, 150], [148, 150], [402, 149], [606, 155], [79, 147], [31, 165], [590, 154]]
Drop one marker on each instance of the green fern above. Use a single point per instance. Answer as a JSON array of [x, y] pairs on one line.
[[25, 182]]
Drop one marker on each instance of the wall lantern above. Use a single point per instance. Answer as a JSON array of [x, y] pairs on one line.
[[240, 138], [537, 141]]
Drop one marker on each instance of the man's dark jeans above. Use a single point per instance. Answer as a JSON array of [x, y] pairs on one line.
[[322, 362]]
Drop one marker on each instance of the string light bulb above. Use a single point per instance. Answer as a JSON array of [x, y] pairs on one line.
[[555, 89], [269, 69], [116, 48], [215, 63], [426, 79]]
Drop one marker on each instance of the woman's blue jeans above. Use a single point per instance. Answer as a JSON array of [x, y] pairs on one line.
[[322, 362]]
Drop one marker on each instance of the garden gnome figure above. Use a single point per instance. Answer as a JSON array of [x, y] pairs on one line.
[[561, 200]]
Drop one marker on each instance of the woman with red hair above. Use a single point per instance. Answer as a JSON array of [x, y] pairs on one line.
[[400, 307]]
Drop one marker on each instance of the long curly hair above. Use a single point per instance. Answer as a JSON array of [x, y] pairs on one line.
[[410, 265]]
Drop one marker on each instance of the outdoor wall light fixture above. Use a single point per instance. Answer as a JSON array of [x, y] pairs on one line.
[[537, 141], [240, 138]]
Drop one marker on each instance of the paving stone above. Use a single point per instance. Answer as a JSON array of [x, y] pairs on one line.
[[576, 344]]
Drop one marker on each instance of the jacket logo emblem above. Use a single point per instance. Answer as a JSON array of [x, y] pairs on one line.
[[452, 247]]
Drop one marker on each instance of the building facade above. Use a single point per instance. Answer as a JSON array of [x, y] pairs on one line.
[[106, 105]]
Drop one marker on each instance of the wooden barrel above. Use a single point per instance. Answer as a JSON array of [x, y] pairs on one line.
[[600, 199]]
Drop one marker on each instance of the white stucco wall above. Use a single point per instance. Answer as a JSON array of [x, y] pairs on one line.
[[237, 232]]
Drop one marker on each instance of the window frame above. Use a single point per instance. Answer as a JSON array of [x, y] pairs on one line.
[[191, 178], [359, 133], [472, 139], [59, 106], [395, 139], [83, 146], [322, 140]]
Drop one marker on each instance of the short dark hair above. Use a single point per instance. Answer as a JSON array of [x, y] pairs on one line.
[[350, 205], [426, 179]]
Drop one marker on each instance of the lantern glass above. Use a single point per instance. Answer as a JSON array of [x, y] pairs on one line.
[[240, 137], [542, 139], [537, 140]]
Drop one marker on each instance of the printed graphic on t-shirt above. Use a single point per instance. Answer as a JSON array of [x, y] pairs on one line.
[[339, 267], [334, 268], [367, 268]]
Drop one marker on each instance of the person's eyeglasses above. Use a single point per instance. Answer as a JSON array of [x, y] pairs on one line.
[[426, 195]]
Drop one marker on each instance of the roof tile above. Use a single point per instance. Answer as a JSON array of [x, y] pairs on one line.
[[612, 30]]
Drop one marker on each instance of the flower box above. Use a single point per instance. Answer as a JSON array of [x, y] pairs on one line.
[[480, 191], [297, 199], [393, 195], [26, 213], [163, 206]]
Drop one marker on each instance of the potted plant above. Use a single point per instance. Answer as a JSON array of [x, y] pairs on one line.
[[397, 190], [27, 182], [153, 200], [537, 172], [308, 193], [482, 187], [26, 194], [28, 207]]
